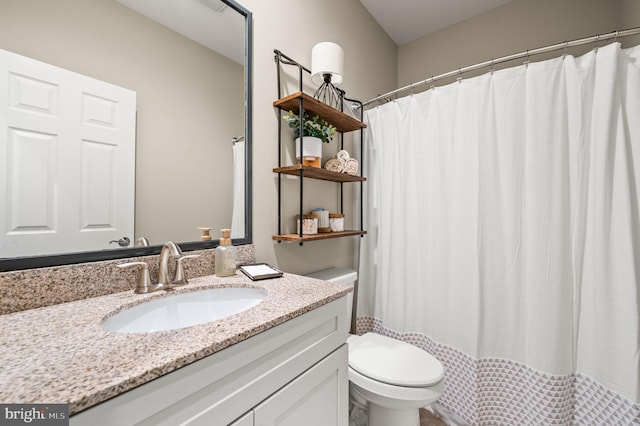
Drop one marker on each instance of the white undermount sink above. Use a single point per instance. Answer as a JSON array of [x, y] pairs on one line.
[[184, 310]]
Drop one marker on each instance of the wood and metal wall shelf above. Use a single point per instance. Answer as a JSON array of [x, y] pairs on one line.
[[300, 103]]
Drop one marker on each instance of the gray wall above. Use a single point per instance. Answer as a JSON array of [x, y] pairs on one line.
[[513, 28], [294, 27], [374, 65]]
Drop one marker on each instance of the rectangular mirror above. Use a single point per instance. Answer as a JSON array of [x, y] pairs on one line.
[[189, 64]]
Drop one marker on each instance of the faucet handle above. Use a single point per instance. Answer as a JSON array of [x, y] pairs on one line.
[[144, 284], [181, 276]]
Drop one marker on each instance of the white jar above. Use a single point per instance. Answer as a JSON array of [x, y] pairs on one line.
[[312, 151], [309, 224], [323, 219], [336, 222]]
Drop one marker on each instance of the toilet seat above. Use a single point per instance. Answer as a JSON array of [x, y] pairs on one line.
[[396, 397], [393, 362]]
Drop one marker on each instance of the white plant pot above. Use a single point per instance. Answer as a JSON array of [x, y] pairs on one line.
[[312, 150]]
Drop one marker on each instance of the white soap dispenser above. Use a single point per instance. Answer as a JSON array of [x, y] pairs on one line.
[[225, 260]]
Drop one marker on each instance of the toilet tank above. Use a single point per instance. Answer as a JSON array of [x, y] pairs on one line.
[[342, 276]]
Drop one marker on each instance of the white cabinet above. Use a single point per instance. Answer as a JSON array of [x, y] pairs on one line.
[[295, 370], [246, 420], [319, 397]]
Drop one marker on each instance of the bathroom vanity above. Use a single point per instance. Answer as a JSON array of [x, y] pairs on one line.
[[282, 362]]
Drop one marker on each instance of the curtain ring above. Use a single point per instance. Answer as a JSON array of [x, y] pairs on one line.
[[597, 39], [616, 36], [564, 49], [526, 63], [491, 67]]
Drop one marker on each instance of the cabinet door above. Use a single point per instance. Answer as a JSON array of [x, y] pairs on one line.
[[318, 397], [246, 420]]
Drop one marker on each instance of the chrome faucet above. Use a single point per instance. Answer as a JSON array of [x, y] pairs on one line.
[[169, 249], [179, 276]]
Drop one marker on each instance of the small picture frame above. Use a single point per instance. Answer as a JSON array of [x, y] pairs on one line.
[[260, 271]]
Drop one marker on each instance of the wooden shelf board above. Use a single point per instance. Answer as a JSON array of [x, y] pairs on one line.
[[312, 106], [318, 173], [316, 237]]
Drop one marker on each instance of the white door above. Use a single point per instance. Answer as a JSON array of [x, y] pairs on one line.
[[67, 160]]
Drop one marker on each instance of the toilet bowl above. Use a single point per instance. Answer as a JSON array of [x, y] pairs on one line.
[[391, 378]]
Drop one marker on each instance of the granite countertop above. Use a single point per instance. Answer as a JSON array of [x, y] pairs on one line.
[[61, 353]]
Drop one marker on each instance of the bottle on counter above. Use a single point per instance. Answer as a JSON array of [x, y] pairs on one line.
[[225, 258]]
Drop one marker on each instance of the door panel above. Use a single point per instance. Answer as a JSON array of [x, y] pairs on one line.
[[98, 175], [31, 171]]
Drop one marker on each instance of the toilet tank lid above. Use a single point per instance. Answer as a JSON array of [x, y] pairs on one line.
[[393, 362], [336, 275]]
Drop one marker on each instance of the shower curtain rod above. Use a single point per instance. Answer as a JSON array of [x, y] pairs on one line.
[[526, 54]]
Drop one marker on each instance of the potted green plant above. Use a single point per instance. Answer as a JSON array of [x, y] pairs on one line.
[[316, 131]]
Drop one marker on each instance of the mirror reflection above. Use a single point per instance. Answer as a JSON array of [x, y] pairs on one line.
[[185, 63]]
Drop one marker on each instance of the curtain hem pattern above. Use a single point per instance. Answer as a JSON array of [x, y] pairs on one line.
[[493, 391]]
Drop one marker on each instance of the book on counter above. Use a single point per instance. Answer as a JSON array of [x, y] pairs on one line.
[[260, 271]]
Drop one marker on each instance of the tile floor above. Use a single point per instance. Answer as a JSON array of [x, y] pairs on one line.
[[428, 419]]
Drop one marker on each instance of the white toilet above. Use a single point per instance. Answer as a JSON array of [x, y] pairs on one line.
[[393, 379]]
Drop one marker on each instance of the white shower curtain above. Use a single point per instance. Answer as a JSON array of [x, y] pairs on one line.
[[504, 237]]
